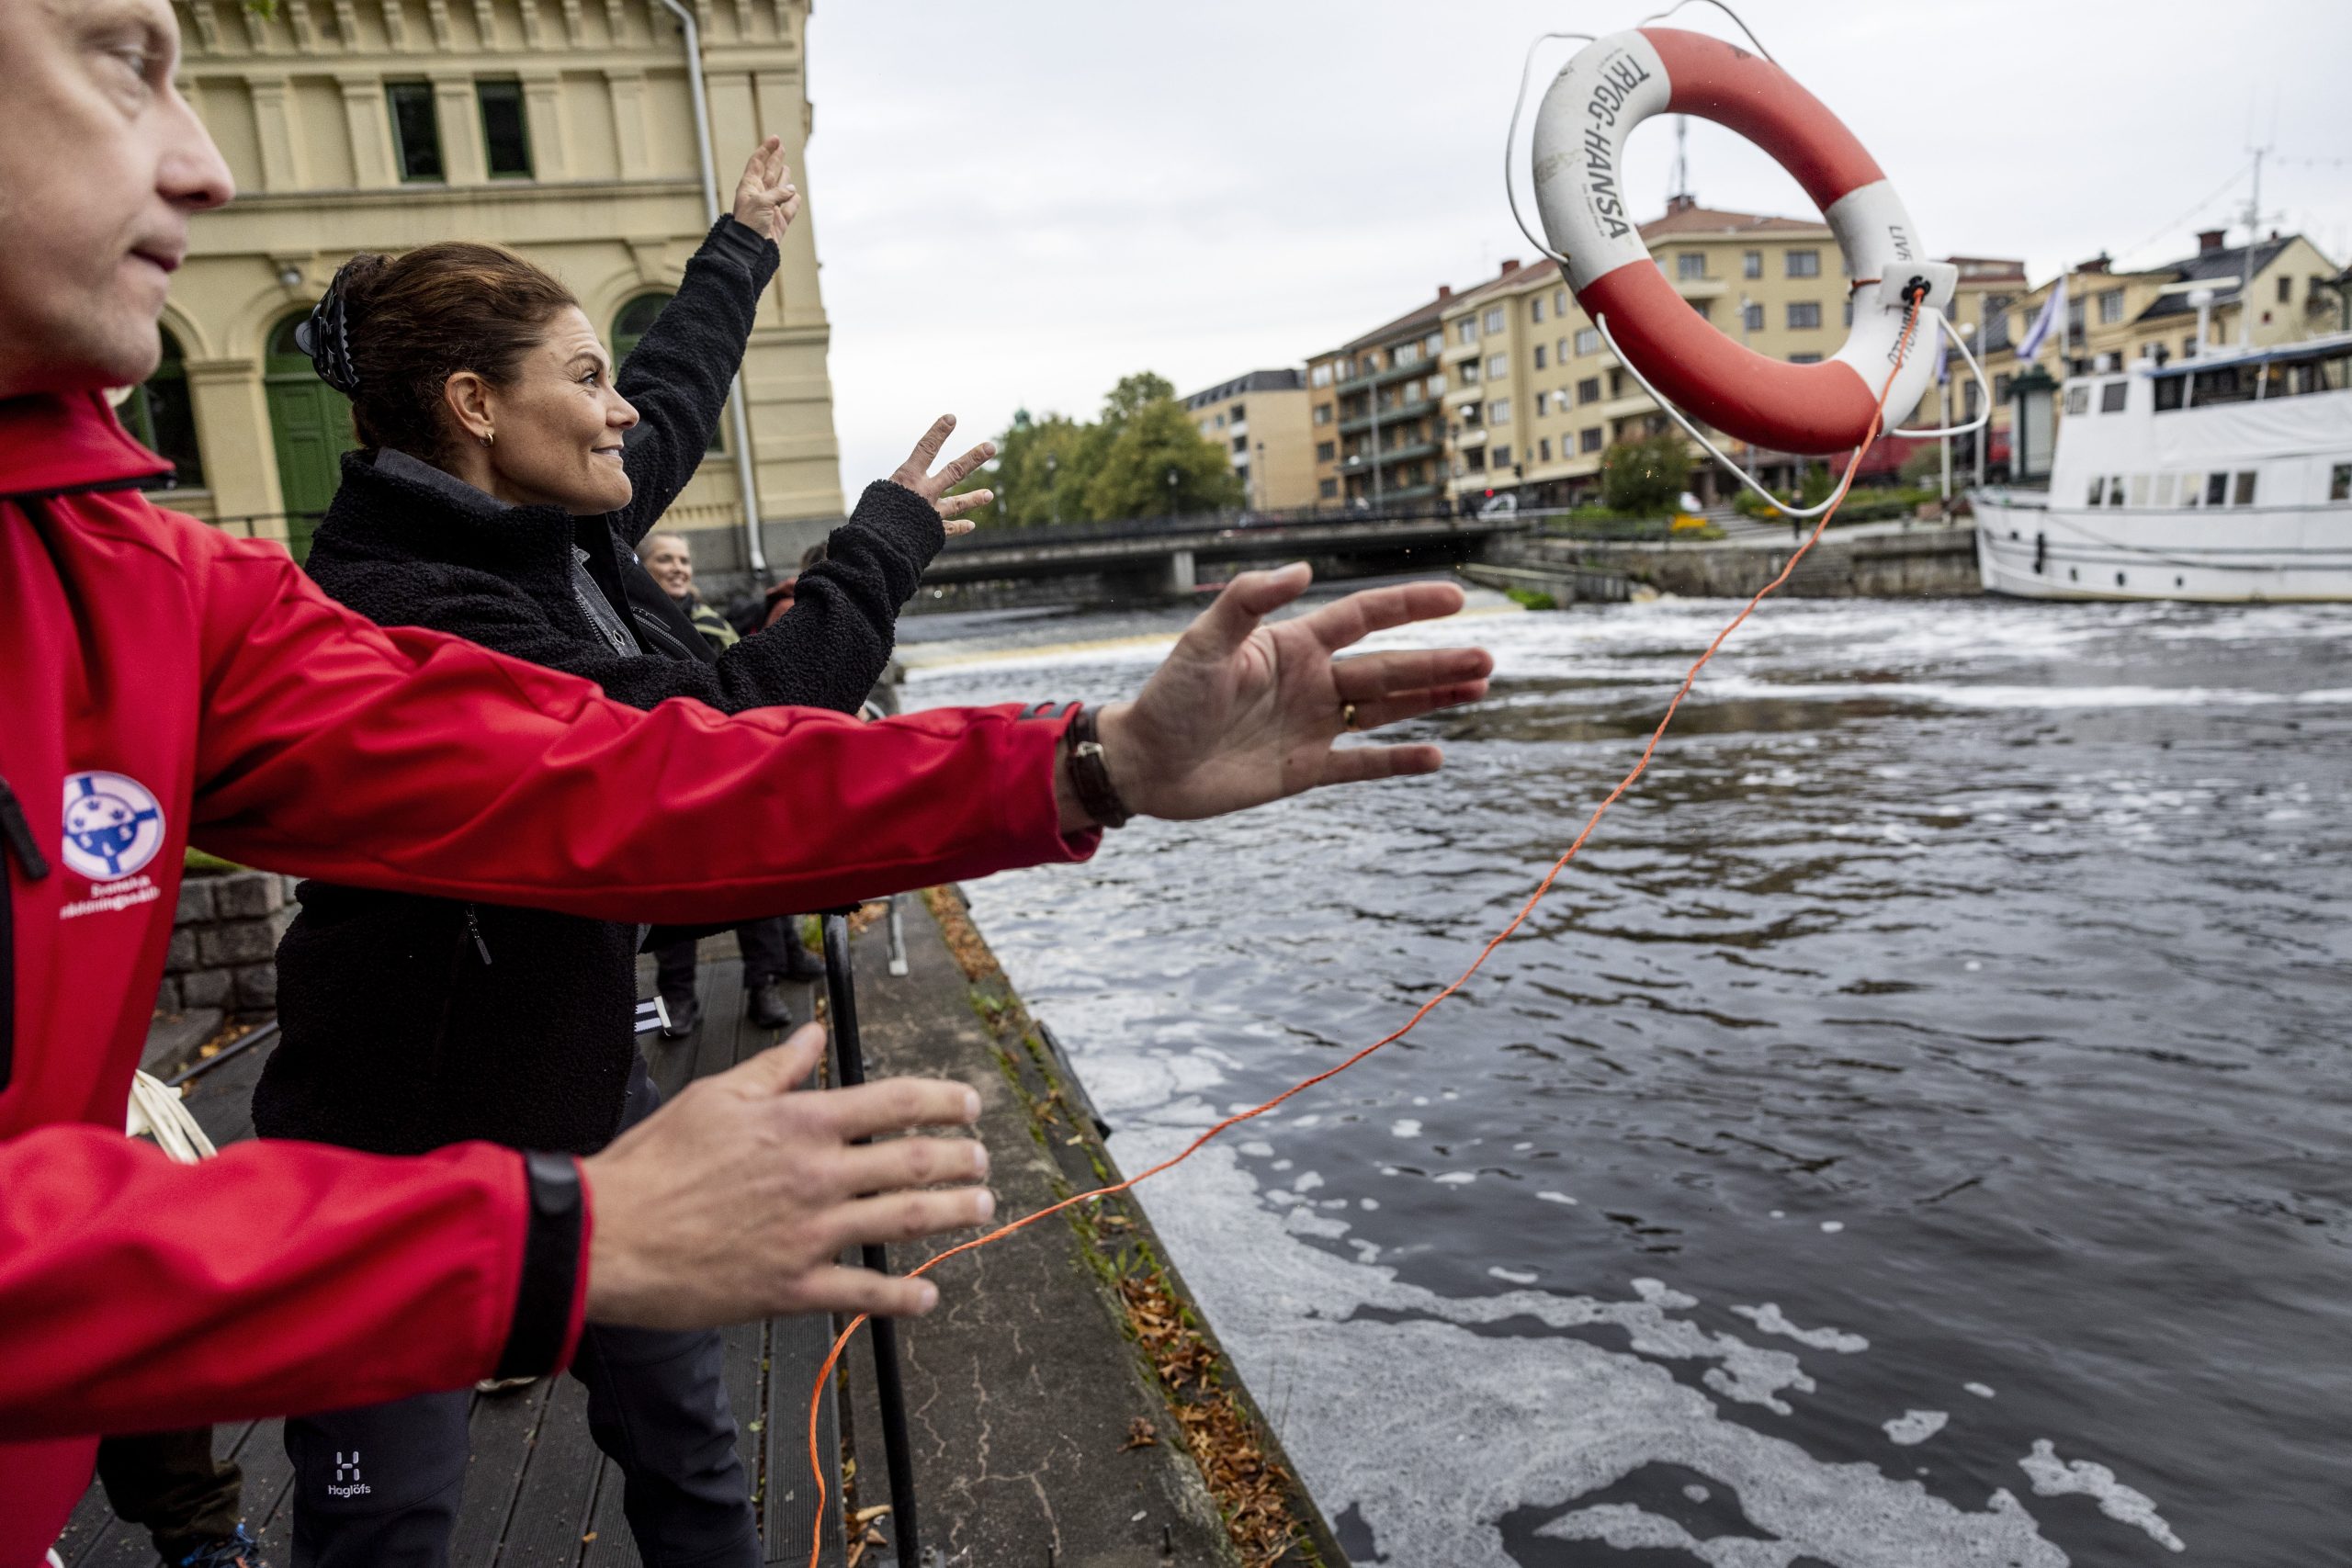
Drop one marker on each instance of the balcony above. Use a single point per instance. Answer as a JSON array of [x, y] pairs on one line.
[[1400, 414], [1388, 376], [1392, 455], [1701, 288], [1474, 436]]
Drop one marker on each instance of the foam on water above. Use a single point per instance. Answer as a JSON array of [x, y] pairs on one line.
[[1771, 1320], [2055, 1477], [1556, 1419], [1914, 1427]]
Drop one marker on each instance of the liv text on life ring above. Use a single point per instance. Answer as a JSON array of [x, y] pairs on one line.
[[1620, 80]]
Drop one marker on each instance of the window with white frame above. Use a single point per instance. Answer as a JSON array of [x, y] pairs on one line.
[[1690, 263], [1466, 329], [1752, 263], [1494, 320], [1805, 315], [1535, 309], [1499, 412], [1497, 368], [1803, 263], [1587, 340], [1539, 356], [1752, 318]]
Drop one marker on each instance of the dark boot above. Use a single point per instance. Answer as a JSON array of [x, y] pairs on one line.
[[766, 1006], [686, 1016]]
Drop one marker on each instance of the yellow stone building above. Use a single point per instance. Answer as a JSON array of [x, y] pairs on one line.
[[1259, 423], [562, 128]]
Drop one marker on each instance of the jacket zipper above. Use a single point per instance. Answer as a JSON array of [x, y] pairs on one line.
[[473, 928], [18, 834]]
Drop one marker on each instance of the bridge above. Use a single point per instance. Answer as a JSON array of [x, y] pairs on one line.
[[1162, 557]]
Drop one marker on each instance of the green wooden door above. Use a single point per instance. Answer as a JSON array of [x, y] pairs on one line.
[[309, 424]]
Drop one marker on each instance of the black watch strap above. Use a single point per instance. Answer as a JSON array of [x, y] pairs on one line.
[[1089, 774], [550, 1269]]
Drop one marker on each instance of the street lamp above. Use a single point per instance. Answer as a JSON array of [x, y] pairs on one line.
[[1053, 495], [1171, 493]]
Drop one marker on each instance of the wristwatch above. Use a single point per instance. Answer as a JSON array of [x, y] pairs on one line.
[[1090, 773]]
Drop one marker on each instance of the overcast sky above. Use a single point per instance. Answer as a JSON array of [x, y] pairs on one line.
[[1018, 201]]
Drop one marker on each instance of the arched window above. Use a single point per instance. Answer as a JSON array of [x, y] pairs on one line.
[[635, 318], [162, 415]]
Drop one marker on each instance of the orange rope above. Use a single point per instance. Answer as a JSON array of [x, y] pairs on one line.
[[832, 1358]]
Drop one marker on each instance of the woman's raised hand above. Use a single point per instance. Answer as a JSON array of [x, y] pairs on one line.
[[916, 475], [766, 201], [1243, 713]]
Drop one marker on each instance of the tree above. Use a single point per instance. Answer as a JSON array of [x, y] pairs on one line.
[[1159, 464], [1039, 474], [1645, 478], [1056, 469]]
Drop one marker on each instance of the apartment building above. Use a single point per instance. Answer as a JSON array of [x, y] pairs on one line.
[[1375, 417], [1536, 396], [562, 130], [1262, 424]]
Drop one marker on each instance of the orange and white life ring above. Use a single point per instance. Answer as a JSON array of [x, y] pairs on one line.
[[1616, 83]]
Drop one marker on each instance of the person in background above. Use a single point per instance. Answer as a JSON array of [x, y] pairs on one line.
[[770, 948]]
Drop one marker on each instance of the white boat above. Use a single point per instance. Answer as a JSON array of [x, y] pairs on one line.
[[2223, 477]]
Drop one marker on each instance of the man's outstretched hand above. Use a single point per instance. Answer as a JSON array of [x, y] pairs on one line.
[[1243, 713], [732, 1201]]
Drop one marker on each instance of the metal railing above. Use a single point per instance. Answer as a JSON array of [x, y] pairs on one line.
[[1050, 533]]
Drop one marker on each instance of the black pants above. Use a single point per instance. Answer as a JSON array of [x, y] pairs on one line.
[[768, 955], [378, 1486], [170, 1483]]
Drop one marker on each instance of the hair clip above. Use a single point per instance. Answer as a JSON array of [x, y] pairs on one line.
[[325, 337]]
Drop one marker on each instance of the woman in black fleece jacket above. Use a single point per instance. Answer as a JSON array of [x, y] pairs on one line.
[[409, 1023]]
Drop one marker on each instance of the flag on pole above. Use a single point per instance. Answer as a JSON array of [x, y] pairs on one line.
[[2053, 311]]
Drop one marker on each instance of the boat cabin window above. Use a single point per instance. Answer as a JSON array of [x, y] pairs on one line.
[[2167, 490], [2300, 377], [2170, 392], [2243, 494], [2078, 399], [2115, 490], [2139, 489], [2339, 482], [2217, 489], [2098, 490], [2222, 384], [2112, 396]]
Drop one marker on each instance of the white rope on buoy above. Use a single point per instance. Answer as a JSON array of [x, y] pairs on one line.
[[156, 1111]]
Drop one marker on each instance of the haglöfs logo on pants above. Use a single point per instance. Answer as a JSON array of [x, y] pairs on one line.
[[114, 824], [347, 1477]]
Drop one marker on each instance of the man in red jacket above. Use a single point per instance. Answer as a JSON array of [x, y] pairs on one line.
[[158, 678]]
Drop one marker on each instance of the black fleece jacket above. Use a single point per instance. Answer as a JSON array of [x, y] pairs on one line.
[[411, 1023]]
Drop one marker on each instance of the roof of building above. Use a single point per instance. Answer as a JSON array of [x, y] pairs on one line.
[[2223, 267], [1404, 325], [1288, 380], [1695, 221]]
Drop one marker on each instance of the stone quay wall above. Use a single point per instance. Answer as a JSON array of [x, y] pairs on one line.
[[224, 943], [1917, 562]]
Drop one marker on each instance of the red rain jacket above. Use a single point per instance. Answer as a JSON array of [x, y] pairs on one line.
[[161, 680]]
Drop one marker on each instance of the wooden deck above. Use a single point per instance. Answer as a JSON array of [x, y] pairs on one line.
[[539, 1493]]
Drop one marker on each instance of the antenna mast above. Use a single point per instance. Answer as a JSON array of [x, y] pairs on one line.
[[2245, 260], [1681, 160]]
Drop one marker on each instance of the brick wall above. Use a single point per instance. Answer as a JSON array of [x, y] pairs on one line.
[[224, 943]]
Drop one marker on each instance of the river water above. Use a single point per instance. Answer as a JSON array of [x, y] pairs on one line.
[[1912, 1135]]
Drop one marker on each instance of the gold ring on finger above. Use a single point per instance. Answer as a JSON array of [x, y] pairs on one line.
[[1346, 715]]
